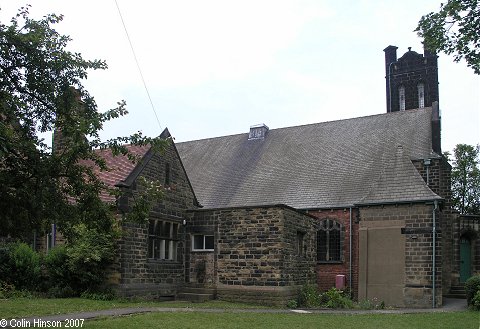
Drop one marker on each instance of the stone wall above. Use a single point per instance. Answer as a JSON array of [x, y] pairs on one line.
[[417, 231], [437, 175], [134, 274], [258, 257], [201, 265]]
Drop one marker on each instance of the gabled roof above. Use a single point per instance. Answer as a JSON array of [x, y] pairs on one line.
[[119, 167], [123, 172], [324, 165]]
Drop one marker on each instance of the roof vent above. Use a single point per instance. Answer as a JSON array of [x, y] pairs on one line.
[[258, 131]]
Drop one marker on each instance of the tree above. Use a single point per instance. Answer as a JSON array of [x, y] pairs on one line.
[[454, 30], [41, 89], [466, 179]]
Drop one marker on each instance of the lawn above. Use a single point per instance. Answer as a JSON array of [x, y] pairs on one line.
[[25, 307], [196, 318], [199, 319]]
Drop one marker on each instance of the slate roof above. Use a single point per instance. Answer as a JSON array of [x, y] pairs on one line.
[[343, 163]]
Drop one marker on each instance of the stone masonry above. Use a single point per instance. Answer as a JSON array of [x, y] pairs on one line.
[[134, 274], [262, 255]]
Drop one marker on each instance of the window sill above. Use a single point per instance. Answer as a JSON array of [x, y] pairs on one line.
[[155, 260], [203, 250], [323, 262]]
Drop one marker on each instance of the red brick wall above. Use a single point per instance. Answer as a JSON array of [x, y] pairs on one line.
[[326, 272]]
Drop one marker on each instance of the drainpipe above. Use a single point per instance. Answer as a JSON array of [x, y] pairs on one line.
[[350, 253], [434, 234]]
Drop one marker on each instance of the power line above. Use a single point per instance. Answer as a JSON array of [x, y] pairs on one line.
[[138, 65]]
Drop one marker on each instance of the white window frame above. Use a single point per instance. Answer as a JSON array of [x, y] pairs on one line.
[[203, 242]]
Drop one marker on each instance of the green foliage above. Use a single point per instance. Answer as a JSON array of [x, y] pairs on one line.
[[69, 270], [88, 256], [58, 275], [104, 296], [476, 301], [454, 29], [466, 179], [292, 303], [26, 267], [8, 291], [309, 296], [80, 265], [472, 286], [152, 191], [371, 304], [337, 299], [6, 268], [41, 89]]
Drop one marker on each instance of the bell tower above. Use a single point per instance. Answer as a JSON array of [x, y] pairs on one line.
[[411, 80]]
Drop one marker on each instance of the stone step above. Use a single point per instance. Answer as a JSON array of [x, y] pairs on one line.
[[195, 290], [457, 296], [194, 297], [457, 291]]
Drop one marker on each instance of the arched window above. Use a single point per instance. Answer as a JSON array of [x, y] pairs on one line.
[[401, 98], [329, 241], [421, 95]]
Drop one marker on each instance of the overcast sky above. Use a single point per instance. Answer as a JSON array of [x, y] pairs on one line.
[[215, 68]]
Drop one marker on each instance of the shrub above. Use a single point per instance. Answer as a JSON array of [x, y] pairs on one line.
[[88, 256], [476, 301], [25, 267], [59, 276], [472, 285], [337, 299], [309, 296], [6, 268], [371, 304], [292, 303]]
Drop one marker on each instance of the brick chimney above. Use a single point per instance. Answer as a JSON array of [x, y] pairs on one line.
[[59, 140]]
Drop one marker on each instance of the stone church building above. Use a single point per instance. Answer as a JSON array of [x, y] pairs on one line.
[[361, 202]]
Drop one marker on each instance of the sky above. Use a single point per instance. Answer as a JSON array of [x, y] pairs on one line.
[[214, 68]]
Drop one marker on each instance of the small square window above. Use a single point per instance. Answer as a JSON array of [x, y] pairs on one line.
[[202, 242]]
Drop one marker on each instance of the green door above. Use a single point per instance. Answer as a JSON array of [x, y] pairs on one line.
[[465, 255]]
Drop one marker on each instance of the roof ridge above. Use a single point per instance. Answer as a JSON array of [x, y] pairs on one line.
[[396, 113]]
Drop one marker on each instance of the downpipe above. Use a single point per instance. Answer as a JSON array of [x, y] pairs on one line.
[[434, 234]]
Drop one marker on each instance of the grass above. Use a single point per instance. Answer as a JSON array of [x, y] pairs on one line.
[[24, 307], [227, 320]]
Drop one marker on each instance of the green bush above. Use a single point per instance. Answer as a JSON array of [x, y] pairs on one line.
[[292, 303], [309, 296], [472, 285], [26, 268], [6, 268], [58, 274], [476, 301], [371, 304], [336, 299], [87, 258]]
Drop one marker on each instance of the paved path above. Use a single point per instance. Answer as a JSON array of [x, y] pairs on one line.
[[450, 305]]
